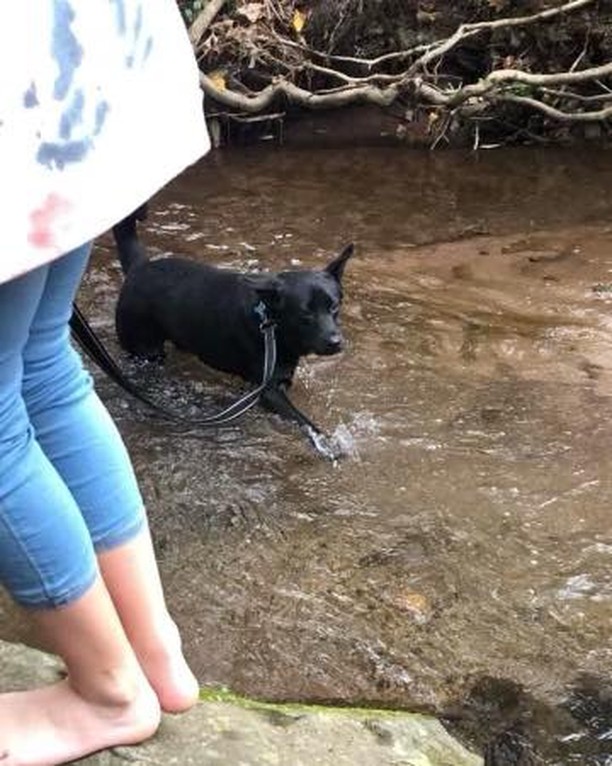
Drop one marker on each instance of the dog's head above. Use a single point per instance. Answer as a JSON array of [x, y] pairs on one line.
[[306, 306]]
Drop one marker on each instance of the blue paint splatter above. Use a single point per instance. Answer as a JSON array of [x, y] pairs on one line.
[[102, 110], [30, 97], [65, 48], [138, 22], [137, 27], [55, 154], [72, 116], [148, 48], [120, 16]]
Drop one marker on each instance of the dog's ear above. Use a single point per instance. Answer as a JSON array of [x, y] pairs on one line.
[[336, 267], [267, 287]]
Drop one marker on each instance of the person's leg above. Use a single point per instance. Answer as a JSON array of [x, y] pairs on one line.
[[132, 578], [48, 564], [104, 701], [79, 437]]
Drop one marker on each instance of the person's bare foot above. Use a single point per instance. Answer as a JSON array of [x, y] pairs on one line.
[[55, 724], [169, 674]]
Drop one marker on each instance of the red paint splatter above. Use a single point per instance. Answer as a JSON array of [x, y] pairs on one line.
[[43, 218]]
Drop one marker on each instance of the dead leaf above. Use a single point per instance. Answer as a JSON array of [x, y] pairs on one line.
[[298, 21], [425, 17], [251, 11], [218, 79]]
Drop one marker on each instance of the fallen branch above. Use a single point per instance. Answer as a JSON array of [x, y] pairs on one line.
[[501, 76], [571, 95], [262, 100], [466, 31], [558, 114], [367, 64], [260, 50], [203, 20], [361, 92], [334, 73]]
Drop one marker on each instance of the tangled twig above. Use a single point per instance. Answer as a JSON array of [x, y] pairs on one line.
[[270, 61]]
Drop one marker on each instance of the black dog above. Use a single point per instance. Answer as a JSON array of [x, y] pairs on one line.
[[211, 312]]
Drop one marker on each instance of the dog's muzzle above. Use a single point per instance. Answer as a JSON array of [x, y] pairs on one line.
[[333, 345]]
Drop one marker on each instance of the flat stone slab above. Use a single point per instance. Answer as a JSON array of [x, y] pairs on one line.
[[227, 730]]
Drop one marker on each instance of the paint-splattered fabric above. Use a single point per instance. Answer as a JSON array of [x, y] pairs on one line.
[[99, 108]]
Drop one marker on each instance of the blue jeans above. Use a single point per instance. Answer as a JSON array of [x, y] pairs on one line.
[[67, 488]]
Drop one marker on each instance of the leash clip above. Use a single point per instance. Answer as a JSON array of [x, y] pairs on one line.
[[264, 320]]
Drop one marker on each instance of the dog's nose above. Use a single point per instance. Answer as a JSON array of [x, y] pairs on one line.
[[334, 344]]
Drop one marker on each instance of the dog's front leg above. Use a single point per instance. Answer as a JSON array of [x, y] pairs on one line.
[[276, 400]]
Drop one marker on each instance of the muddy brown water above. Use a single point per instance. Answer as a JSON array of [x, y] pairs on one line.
[[459, 559]]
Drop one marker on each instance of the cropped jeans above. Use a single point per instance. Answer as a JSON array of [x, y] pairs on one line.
[[67, 488]]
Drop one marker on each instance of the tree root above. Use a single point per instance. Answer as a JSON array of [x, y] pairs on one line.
[[258, 56]]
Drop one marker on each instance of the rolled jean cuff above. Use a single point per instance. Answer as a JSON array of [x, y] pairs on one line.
[[124, 534], [60, 599]]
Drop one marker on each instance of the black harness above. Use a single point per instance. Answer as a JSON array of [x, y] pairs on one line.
[[93, 346]]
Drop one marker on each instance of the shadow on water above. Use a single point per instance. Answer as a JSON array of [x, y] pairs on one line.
[[459, 560]]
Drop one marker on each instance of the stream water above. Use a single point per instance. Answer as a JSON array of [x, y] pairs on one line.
[[458, 560]]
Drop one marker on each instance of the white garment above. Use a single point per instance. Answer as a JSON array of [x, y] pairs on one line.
[[100, 107]]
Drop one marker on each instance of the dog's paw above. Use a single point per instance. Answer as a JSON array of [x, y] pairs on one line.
[[324, 445]]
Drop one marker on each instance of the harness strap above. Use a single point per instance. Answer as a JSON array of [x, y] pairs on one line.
[[93, 346]]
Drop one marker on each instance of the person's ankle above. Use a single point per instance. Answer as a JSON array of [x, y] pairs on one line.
[[114, 688], [160, 644], [161, 657]]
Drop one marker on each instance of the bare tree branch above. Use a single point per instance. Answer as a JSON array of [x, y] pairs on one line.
[[557, 114], [465, 31], [437, 49], [367, 64], [418, 74], [556, 78], [334, 73], [571, 95], [204, 19], [297, 95], [501, 77]]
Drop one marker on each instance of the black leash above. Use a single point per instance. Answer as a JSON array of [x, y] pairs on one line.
[[93, 346]]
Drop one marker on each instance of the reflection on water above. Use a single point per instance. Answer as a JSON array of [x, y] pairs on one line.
[[468, 535]]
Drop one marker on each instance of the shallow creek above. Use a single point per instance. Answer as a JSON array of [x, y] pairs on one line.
[[458, 560]]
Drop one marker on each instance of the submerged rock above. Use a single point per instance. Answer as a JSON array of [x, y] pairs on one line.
[[227, 730]]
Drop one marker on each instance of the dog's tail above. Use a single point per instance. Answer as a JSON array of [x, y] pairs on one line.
[[131, 250]]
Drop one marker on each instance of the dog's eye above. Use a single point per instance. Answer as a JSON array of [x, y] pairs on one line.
[[335, 312]]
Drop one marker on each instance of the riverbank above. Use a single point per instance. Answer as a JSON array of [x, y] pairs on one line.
[[226, 730]]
